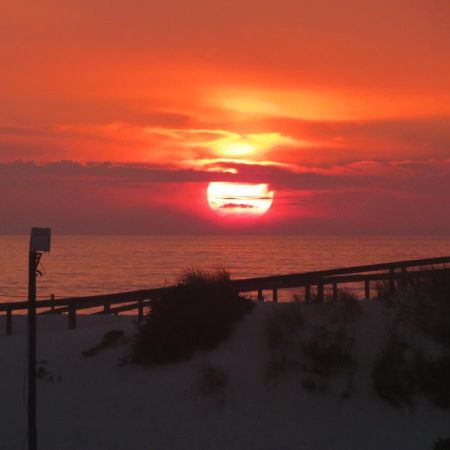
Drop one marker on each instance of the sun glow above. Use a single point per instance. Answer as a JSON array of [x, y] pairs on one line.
[[235, 149], [239, 199]]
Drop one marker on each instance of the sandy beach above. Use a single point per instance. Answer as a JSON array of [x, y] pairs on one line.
[[92, 403]]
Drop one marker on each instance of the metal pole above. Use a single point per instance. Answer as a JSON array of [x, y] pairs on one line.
[[32, 432]]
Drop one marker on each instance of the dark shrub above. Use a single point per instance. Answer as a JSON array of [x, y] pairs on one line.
[[110, 339], [282, 334], [442, 444], [196, 314], [283, 325], [429, 304], [327, 351], [391, 374], [400, 371], [433, 379], [309, 383], [318, 347], [213, 380], [385, 293], [349, 306]]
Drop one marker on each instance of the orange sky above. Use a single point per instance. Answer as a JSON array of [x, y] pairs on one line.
[[273, 91]]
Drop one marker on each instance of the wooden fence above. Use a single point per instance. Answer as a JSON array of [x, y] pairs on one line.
[[399, 271]]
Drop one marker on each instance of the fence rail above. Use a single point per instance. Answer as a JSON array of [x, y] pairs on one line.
[[115, 303]]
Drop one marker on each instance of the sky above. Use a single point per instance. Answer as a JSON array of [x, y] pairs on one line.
[[116, 117]]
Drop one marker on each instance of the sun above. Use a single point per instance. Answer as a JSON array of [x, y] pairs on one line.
[[239, 199]]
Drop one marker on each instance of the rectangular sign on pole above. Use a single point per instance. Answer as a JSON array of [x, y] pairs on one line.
[[40, 240]]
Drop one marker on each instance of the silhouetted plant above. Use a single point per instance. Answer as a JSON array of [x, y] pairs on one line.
[[429, 306], [385, 292], [433, 379], [349, 307], [195, 314], [283, 326], [110, 339], [391, 375], [282, 333], [213, 380], [442, 444], [309, 383], [327, 351], [400, 371], [318, 350]]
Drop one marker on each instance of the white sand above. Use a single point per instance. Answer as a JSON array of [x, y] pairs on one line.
[[98, 405]]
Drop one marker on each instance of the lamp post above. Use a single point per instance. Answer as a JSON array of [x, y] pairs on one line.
[[39, 243]]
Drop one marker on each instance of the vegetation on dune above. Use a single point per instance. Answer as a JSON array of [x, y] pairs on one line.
[[283, 337], [111, 338], [403, 369], [213, 380], [195, 314], [392, 376], [200, 310], [442, 444], [428, 301], [318, 347]]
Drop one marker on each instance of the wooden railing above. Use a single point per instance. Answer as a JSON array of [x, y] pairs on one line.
[[116, 303], [366, 273]]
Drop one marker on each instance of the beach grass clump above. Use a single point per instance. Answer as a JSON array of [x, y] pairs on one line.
[[282, 332], [326, 351], [442, 444], [213, 380], [433, 379], [387, 291], [111, 338], [392, 377], [429, 306], [282, 328], [316, 340], [348, 308], [403, 370], [195, 314]]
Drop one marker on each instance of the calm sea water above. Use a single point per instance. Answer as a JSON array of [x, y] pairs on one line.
[[83, 265]]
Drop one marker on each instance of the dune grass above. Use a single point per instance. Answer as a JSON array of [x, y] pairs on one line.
[[403, 369], [195, 314]]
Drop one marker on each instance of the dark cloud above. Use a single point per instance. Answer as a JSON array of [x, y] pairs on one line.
[[403, 175], [235, 205], [370, 197]]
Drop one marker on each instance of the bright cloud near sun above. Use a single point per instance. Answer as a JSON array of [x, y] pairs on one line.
[[236, 145], [323, 103], [226, 144]]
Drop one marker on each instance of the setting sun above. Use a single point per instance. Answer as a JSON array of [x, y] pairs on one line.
[[239, 199]]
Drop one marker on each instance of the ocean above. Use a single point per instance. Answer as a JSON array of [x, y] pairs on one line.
[[84, 265]]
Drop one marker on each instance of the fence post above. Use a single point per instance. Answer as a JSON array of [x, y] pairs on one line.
[[140, 309], [260, 295], [52, 299], [106, 308], [367, 289], [8, 322], [275, 294], [307, 293], [72, 317]]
